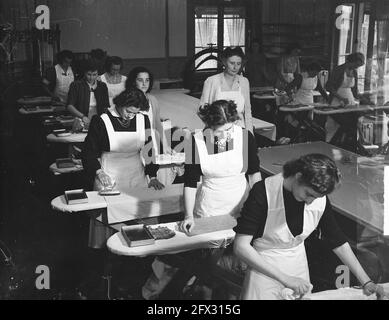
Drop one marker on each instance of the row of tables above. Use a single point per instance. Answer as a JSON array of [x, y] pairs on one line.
[[362, 196]]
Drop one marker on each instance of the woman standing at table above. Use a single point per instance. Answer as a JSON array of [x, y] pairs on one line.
[[343, 87], [221, 155], [231, 85], [57, 79], [343, 81], [305, 83], [113, 79], [279, 214], [288, 66], [112, 152], [88, 97]]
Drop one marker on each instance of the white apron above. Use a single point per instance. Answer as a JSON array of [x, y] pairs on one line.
[[224, 186], [63, 82], [114, 89], [278, 246], [238, 98], [124, 165], [331, 126], [304, 94], [345, 91], [123, 162]]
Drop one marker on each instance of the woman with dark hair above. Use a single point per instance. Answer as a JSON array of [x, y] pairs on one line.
[[222, 155], [113, 79], [343, 87], [112, 150], [57, 79], [88, 97], [279, 214], [288, 66], [231, 85]]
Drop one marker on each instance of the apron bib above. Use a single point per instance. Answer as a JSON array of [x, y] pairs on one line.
[[331, 126], [63, 82], [224, 187], [304, 95], [113, 89], [124, 165], [278, 246], [123, 162], [238, 98], [345, 91]]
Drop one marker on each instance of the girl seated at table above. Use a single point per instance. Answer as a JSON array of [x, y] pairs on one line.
[[224, 157], [231, 85], [279, 214], [88, 97], [113, 79], [112, 152]]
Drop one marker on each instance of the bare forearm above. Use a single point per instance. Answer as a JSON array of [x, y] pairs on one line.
[[189, 201], [72, 109], [347, 256]]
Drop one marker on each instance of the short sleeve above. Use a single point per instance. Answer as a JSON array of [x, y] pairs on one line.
[[253, 216], [331, 232]]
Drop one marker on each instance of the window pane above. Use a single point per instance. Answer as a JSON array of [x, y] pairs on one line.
[[345, 32], [234, 27], [205, 33]]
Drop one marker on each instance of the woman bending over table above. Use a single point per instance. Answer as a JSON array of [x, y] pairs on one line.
[[112, 151], [279, 214], [224, 156]]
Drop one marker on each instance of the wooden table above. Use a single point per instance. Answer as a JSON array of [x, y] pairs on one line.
[[328, 110], [42, 110], [360, 196], [347, 117], [268, 96], [73, 138]]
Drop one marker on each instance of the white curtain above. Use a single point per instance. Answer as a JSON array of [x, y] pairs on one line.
[[235, 27], [205, 27]]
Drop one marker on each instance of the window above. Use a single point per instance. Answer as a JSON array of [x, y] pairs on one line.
[[207, 27], [345, 25], [206, 22], [234, 27]]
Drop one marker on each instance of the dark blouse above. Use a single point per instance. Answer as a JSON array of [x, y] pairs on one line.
[[97, 141], [254, 214], [193, 167], [79, 96]]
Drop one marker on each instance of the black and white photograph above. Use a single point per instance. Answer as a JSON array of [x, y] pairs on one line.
[[166, 151]]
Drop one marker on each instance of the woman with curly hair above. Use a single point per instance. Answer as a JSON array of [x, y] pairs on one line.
[[279, 214]]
